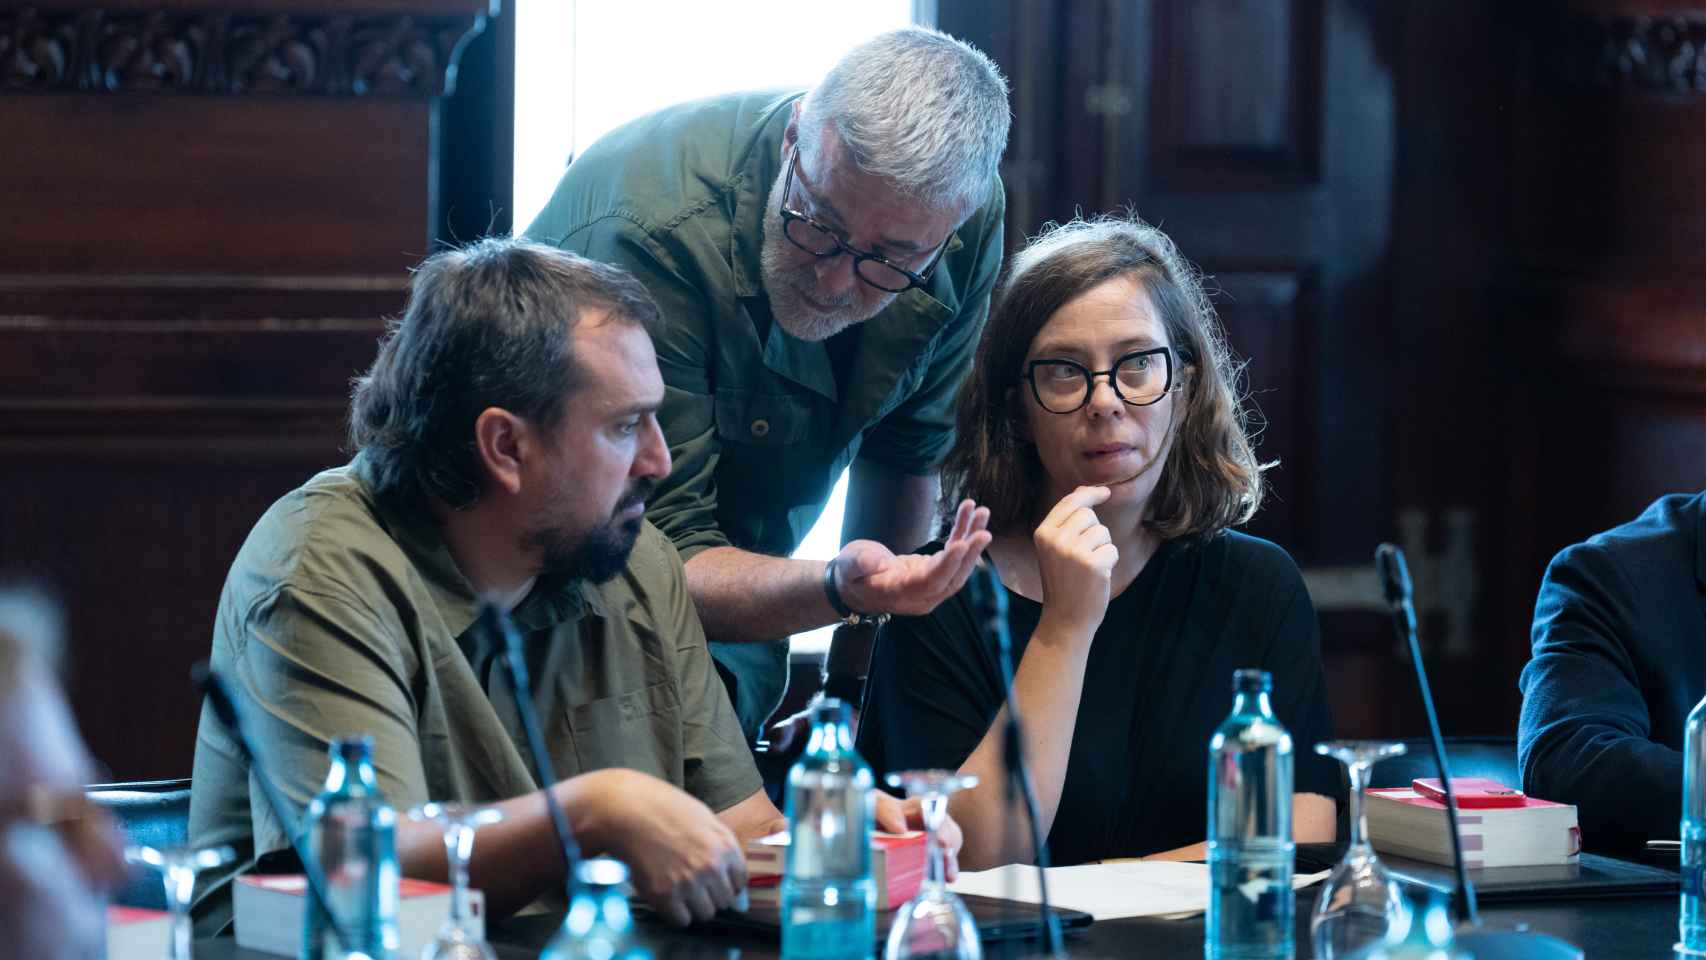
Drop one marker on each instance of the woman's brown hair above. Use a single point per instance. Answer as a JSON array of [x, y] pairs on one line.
[[1211, 479]]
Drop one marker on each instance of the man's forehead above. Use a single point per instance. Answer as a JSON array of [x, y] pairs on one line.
[[861, 200], [616, 360]]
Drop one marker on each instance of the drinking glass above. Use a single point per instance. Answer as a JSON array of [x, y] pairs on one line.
[[935, 923], [457, 939], [1361, 904], [178, 866]]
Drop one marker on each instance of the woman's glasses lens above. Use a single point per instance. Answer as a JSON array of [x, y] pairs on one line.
[[1063, 386], [1142, 379]]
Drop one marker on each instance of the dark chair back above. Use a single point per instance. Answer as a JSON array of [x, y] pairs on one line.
[[1493, 758], [153, 813]]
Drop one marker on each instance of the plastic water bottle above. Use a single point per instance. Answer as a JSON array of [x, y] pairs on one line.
[[598, 925], [1691, 923], [352, 831], [1250, 903], [829, 900]]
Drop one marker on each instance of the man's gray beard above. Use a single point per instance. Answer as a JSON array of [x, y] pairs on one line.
[[799, 319]]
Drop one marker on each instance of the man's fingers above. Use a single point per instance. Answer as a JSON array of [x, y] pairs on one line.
[[715, 882], [699, 902], [962, 520], [974, 549], [736, 867], [674, 910], [979, 520]]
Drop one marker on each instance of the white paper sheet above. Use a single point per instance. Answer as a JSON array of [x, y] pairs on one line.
[[1110, 891]]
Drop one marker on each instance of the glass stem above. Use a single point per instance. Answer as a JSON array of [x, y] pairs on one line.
[[935, 806], [180, 884], [1359, 771], [456, 853]]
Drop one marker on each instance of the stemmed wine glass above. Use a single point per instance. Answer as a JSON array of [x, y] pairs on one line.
[[457, 939], [1360, 904], [935, 923], [178, 866]]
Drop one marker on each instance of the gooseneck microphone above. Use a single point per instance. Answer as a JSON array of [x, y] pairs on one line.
[[496, 624], [218, 695], [1481, 944], [990, 603], [1395, 585]]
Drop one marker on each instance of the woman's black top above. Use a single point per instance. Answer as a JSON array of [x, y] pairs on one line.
[[1157, 683]]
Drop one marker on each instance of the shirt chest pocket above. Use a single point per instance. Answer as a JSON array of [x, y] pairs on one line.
[[639, 729], [765, 419]]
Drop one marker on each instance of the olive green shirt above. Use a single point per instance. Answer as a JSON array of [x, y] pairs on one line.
[[343, 614], [758, 425]]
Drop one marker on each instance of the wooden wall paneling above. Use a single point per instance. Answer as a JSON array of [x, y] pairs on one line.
[[1237, 91], [209, 210], [1267, 314]]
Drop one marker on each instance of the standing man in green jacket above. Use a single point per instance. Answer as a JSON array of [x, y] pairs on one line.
[[824, 262]]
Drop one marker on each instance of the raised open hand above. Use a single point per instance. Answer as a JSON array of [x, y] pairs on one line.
[[872, 579]]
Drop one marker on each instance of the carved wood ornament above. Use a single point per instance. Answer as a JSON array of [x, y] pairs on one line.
[[1652, 54], [221, 52]]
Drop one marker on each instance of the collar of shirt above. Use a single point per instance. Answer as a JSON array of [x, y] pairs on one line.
[[553, 599]]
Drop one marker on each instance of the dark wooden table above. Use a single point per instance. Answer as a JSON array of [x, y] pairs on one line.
[[1637, 929]]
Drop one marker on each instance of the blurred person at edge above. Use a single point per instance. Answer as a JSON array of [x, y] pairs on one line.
[[60, 857]]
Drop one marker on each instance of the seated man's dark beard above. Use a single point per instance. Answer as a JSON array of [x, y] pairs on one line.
[[602, 552]]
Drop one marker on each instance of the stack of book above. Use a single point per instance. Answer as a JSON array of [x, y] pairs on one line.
[[898, 862], [268, 913], [1500, 827]]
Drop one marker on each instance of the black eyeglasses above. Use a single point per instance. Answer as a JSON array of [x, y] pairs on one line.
[[1064, 386], [820, 241]]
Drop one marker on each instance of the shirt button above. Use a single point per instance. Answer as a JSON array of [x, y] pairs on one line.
[[760, 427]]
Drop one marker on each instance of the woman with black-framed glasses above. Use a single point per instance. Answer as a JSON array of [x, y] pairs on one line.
[[1101, 426]]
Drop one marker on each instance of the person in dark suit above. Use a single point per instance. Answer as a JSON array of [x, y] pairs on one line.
[[1619, 661]]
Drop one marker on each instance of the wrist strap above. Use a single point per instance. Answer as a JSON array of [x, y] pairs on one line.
[[848, 615], [833, 593]]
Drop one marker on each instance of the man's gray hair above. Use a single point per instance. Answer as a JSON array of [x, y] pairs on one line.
[[920, 109]]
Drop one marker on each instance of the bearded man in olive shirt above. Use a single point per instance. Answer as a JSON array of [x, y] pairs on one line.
[[824, 262], [508, 439]]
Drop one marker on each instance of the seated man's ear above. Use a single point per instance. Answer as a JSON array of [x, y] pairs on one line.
[[503, 443]]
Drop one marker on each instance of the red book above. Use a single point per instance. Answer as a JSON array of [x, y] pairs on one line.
[[1530, 832], [898, 862], [1470, 793], [268, 912]]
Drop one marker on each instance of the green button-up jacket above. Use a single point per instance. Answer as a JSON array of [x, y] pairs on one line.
[[343, 614]]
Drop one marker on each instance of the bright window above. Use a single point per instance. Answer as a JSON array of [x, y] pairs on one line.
[[584, 67]]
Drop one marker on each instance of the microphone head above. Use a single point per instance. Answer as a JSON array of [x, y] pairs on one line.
[[1394, 575]]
